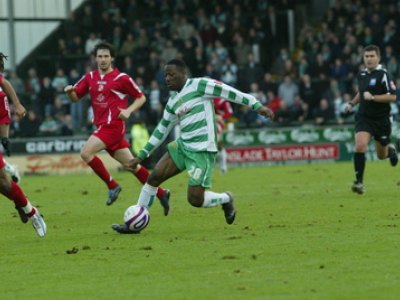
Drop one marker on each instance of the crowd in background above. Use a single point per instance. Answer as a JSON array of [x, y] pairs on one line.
[[242, 43]]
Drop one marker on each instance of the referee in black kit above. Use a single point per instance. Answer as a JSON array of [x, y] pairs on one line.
[[375, 92]]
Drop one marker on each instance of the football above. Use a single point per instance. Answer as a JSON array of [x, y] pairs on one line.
[[136, 218]]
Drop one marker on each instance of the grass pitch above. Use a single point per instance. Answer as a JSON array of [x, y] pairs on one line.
[[299, 234]]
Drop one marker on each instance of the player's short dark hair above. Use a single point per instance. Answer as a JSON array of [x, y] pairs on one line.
[[106, 46], [373, 48], [2, 58], [180, 64]]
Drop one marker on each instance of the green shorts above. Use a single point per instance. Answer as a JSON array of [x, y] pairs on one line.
[[199, 165]]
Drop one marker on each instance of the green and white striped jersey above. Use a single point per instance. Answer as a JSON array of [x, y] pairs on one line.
[[193, 109]]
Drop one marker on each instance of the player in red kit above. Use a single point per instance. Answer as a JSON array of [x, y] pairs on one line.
[[109, 90], [8, 187], [223, 110], [8, 93]]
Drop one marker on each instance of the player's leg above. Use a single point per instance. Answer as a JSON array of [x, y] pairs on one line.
[[88, 154], [13, 192], [361, 143], [200, 166], [4, 130], [163, 170], [382, 142], [12, 171], [123, 156]]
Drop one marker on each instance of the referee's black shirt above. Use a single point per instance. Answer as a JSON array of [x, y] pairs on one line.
[[377, 82]]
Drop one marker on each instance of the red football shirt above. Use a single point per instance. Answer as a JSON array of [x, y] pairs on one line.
[[5, 116], [108, 93], [223, 108]]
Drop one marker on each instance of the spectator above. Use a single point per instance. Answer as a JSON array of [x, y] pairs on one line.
[[46, 96], [155, 103], [17, 83], [184, 28], [241, 50], [247, 117], [295, 112], [211, 72], [319, 68], [229, 72], [169, 52], [91, 42], [251, 72], [268, 83], [128, 46], [309, 93], [208, 32], [279, 63], [77, 108], [287, 90], [49, 126], [33, 85], [29, 126], [76, 46], [324, 113], [274, 102]]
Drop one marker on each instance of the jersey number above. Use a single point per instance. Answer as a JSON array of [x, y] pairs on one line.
[[195, 173]]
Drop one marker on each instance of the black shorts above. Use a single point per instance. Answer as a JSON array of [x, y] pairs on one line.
[[380, 129]]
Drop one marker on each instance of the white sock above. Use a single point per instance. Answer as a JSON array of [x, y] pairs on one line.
[[212, 199], [147, 195], [27, 208], [223, 156]]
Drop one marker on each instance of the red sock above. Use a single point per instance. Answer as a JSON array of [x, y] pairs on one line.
[[142, 174], [17, 195], [98, 167]]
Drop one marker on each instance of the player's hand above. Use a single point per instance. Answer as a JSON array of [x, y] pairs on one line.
[[265, 111], [20, 111], [368, 96], [348, 108], [69, 89], [124, 114], [133, 164]]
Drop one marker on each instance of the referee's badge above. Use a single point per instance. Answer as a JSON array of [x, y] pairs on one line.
[[372, 81]]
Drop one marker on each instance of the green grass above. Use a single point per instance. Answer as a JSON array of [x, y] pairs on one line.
[[299, 234]]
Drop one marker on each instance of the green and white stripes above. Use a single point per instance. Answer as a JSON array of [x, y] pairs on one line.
[[193, 109]]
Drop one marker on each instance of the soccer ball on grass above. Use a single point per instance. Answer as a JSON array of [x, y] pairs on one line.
[[136, 218]]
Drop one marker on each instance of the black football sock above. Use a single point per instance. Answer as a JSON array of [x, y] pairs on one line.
[[359, 166]]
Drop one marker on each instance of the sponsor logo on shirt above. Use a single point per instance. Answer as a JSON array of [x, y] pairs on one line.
[[100, 98], [183, 111], [372, 82]]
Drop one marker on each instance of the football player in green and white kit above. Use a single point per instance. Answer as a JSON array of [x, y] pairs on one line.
[[191, 107]]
